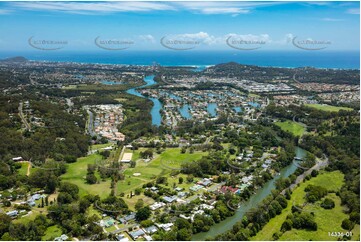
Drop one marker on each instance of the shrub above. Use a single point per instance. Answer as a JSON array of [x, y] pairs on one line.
[[328, 203]]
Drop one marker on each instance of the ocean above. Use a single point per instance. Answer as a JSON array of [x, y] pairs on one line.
[[318, 59]]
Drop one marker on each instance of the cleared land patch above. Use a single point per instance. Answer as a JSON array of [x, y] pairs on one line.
[[293, 127], [328, 108]]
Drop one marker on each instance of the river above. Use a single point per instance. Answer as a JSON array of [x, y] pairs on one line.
[[157, 105], [252, 202]]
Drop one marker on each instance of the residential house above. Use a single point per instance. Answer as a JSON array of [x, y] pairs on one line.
[[166, 227], [205, 182], [13, 213], [151, 230], [63, 237], [121, 237], [127, 218], [225, 189], [136, 234], [169, 199], [195, 188], [156, 205], [148, 238]]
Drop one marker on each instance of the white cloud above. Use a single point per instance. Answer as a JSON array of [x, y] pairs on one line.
[[233, 8], [319, 3], [251, 37], [94, 7], [4, 11], [285, 40], [201, 37], [207, 39], [332, 19], [232, 11], [147, 38], [353, 11]]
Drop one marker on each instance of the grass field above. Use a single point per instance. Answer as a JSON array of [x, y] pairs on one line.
[[327, 220], [24, 168], [51, 233], [328, 108], [172, 157], [159, 166], [76, 173], [293, 127]]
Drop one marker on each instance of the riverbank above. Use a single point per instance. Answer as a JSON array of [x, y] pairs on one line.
[[327, 220], [157, 105], [252, 202]]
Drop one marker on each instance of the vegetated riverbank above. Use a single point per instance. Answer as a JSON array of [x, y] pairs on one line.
[[251, 203]]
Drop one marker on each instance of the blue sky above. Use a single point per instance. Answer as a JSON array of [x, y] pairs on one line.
[[270, 25]]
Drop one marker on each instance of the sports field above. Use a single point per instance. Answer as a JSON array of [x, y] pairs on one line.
[[328, 108], [293, 127]]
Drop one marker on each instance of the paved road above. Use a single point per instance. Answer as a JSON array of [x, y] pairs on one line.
[[295, 80], [21, 114], [121, 154], [32, 81], [320, 163], [91, 123]]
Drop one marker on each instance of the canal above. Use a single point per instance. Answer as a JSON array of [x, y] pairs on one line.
[[157, 105], [254, 200]]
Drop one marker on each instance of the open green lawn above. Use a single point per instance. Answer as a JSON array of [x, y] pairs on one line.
[[327, 220], [328, 108], [111, 229], [51, 233], [24, 168], [293, 127], [172, 157], [76, 174], [132, 201], [93, 211], [160, 165]]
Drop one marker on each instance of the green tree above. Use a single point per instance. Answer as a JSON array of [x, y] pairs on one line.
[[5, 222], [139, 204], [328, 203], [287, 225], [347, 224], [91, 178], [184, 235], [143, 214]]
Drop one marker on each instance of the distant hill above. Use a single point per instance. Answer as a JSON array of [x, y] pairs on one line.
[[302, 74], [231, 65], [15, 59]]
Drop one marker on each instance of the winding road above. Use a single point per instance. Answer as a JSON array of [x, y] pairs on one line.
[[23, 119], [320, 163]]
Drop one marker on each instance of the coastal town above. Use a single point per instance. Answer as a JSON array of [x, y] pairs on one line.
[[222, 147]]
